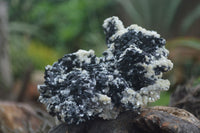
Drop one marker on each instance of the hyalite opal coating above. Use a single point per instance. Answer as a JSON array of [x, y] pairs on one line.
[[81, 86]]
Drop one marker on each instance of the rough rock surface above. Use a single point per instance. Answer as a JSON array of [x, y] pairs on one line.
[[167, 120], [81, 86], [157, 119]]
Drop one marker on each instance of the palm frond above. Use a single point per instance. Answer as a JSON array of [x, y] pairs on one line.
[[132, 12], [184, 42], [170, 13], [190, 19]]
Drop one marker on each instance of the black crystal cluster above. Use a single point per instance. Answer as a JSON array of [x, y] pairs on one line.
[[81, 86]]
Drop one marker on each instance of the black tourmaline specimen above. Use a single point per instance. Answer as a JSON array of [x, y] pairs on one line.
[[81, 86]]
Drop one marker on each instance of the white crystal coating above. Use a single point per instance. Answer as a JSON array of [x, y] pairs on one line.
[[83, 55], [144, 31]]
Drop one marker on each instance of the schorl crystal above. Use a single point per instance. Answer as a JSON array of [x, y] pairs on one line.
[[81, 86]]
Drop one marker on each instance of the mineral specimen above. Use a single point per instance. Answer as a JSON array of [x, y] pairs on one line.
[[81, 86]]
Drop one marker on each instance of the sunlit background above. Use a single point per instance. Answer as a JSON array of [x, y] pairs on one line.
[[35, 33]]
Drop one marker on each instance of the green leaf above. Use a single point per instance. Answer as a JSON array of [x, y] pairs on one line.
[[131, 10], [184, 42], [21, 27], [190, 19], [170, 13]]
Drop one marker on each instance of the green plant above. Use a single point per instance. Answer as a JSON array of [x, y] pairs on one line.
[[60, 23], [154, 14], [159, 14], [18, 54], [164, 100], [190, 19], [39, 30], [41, 55], [184, 53]]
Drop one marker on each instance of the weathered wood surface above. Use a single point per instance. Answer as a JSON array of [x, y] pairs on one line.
[[187, 97], [17, 117], [157, 119], [23, 118]]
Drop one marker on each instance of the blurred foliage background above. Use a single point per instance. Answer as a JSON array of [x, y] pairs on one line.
[[41, 31]]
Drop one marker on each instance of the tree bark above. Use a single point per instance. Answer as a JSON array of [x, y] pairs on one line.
[[5, 70]]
